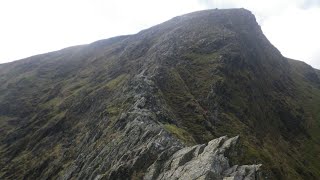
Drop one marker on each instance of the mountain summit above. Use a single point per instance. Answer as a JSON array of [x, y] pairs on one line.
[[202, 96]]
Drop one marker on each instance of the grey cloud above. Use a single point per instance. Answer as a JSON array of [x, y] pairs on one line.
[[310, 4], [315, 61], [218, 4]]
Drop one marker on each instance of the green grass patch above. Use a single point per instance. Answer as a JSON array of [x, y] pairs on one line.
[[114, 83], [180, 133]]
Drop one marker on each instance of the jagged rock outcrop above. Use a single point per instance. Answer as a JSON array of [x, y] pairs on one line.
[[205, 161]]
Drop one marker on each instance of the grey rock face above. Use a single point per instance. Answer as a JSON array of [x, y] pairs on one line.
[[137, 144], [204, 161]]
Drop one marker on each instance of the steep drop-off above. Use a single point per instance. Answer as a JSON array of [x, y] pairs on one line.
[[125, 107]]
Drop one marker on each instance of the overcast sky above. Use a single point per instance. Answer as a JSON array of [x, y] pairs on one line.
[[29, 27]]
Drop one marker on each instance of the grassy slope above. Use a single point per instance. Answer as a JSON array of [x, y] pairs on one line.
[[309, 97], [278, 123], [50, 103]]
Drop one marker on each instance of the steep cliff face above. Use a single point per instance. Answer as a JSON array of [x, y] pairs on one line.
[[126, 107]]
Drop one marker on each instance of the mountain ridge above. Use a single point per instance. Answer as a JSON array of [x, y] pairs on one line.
[[104, 108]]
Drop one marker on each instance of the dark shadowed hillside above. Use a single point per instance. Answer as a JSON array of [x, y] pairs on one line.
[[131, 107]]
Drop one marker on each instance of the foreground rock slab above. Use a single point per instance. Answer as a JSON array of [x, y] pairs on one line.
[[204, 161]]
